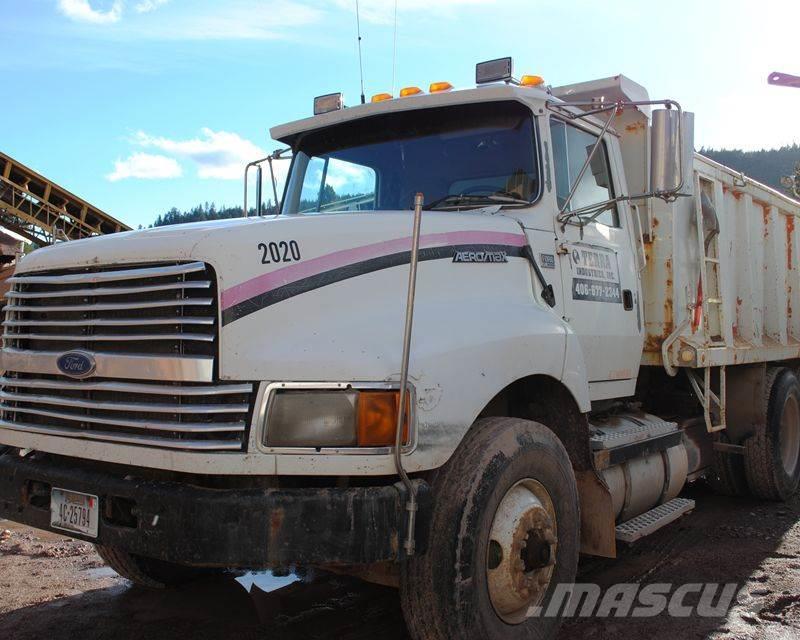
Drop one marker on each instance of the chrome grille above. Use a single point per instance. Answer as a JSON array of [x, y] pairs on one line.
[[165, 309], [161, 313]]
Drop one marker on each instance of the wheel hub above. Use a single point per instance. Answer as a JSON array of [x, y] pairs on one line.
[[522, 550]]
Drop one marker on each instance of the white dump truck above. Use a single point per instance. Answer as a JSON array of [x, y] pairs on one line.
[[489, 330]]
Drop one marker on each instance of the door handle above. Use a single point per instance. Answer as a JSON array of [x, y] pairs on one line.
[[627, 299]]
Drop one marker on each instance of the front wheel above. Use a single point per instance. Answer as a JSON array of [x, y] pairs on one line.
[[505, 532]]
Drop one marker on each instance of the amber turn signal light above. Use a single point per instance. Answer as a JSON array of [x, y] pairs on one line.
[[377, 418]]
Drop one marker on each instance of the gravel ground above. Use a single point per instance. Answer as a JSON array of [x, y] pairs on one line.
[[55, 587]]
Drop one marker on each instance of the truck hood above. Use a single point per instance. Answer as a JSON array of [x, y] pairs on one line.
[[129, 247], [321, 296], [239, 249]]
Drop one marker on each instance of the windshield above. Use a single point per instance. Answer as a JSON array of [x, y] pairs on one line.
[[460, 156]]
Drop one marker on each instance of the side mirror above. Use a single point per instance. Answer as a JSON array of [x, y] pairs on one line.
[[671, 153]]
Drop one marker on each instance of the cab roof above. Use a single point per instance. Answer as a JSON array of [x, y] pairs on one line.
[[532, 96]]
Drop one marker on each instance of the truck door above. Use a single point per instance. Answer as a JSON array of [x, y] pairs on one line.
[[600, 281]]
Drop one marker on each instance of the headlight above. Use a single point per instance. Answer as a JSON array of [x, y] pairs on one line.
[[333, 418], [312, 419]]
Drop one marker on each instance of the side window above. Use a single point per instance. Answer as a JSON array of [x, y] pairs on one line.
[[333, 185], [571, 147]]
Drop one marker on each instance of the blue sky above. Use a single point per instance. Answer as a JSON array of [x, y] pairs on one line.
[[141, 105]]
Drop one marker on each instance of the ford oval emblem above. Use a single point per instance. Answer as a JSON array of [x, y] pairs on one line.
[[76, 364]]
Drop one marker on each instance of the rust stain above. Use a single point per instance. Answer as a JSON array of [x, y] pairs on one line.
[[737, 194], [789, 308], [789, 241], [635, 126], [668, 298], [765, 216], [276, 521], [668, 305], [652, 343], [655, 222]]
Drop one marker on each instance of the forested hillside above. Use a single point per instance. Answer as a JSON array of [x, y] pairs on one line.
[[767, 166], [207, 211]]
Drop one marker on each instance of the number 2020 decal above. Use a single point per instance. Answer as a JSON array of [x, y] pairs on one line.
[[279, 251]]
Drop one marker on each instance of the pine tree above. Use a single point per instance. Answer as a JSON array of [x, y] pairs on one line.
[[792, 182]]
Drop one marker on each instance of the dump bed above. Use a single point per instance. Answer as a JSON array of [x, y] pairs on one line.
[[722, 279]]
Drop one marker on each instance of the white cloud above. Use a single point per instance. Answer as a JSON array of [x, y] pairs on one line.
[[82, 11], [345, 177], [145, 166], [218, 154], [382, 11], [212, 20], [146, 6], [237, 20]]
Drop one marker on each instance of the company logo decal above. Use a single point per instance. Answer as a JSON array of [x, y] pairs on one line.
[[595, 275], [547, 261], [480, 256], [76, 364]]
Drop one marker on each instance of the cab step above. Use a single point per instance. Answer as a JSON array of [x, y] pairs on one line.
[[651, 521]]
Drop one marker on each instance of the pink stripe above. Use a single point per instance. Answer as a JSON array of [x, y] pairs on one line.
[[292, 273]]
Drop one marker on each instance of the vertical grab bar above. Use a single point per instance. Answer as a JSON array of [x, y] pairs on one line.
[[411, 502], [259, 186]]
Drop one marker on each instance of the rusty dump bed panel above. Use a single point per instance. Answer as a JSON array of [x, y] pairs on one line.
[[729, 299]]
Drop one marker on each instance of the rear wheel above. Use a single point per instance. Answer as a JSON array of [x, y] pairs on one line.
[[772, 454], [147, 572], [505, 532]]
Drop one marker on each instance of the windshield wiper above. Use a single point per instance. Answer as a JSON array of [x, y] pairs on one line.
[[455, 200]]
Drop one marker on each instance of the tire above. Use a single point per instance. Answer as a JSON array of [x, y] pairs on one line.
[[446, 593], [772, 454], [150, 573]]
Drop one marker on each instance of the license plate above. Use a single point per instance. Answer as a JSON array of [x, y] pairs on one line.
[[74, 512]]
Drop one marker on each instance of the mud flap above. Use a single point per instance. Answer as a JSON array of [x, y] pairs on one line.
[[598, 532]]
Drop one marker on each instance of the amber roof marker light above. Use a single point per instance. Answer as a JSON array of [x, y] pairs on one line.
[[531, 81], [439, 87], [409, 91]]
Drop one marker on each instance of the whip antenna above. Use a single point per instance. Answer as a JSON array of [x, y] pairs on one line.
[[360, 62], [394, 46]]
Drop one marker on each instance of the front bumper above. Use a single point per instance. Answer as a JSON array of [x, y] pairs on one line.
[[190, 524]]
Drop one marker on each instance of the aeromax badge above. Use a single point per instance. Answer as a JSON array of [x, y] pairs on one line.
[[480, 256], [76, 364]]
